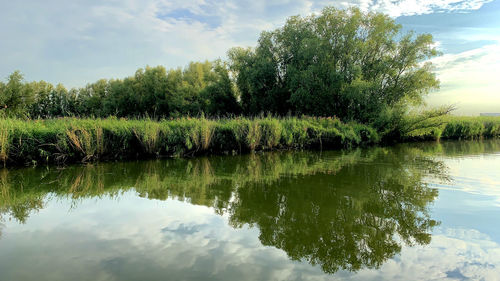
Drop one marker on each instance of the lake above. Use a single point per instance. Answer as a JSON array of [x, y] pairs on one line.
[[421, 211]]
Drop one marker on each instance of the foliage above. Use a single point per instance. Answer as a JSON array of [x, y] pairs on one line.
[[349, 64], [346, 63], [457, 127], [82, 140], [14, 95], [153, 91]]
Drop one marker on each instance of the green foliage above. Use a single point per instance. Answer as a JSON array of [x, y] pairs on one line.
[[395, 124], [219, 94], [453, 127], [350, 64], [464, 128], [50, 101], [15, 95], [347, 64], [154, 91], [82, 140]]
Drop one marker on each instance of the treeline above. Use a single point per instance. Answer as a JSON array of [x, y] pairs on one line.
[[345, 63], [153, 91]]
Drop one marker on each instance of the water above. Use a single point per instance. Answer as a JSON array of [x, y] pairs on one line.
[[424, 211]]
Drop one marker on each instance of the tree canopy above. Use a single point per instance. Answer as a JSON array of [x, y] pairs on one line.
[[341, 62]]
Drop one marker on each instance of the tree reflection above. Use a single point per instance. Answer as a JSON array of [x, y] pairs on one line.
[[352, 219], [339, 210]]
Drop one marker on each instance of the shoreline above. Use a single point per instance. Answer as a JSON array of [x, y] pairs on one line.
[[73, 140]]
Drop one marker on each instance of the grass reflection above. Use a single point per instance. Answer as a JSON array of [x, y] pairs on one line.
[[339, 210]]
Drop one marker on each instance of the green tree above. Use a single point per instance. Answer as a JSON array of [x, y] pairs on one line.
[[350, 210], [355, 216], [341, 62], [42, 106], [91, 99], [219, 94], [259, 81], [121, 100], [48, 101], [150, 87], [15, 96]]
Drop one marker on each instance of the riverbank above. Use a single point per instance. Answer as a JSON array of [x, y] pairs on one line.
[[70, 140], [458, 128], [73, 140]]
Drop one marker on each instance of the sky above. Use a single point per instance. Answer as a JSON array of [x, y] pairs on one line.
[[78, 42]]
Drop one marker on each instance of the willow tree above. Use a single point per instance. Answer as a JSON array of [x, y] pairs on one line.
[[346, 63]]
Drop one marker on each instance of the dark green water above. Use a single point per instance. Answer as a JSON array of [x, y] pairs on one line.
[[424, 211]]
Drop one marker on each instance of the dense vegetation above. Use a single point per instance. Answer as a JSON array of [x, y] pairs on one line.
[[356, 72], [153, 91], [80, 140], [455, 127], [73, 139], [345, 63]]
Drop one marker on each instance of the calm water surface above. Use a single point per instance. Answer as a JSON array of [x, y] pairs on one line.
[[426, 211]]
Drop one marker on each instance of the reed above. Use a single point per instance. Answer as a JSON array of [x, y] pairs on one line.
[[460, 128], [82, 140]]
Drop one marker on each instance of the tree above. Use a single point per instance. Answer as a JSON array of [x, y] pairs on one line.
[[121, 100], [341, 62], [258, 80], [91, 98], [15, 95], [219, 95]]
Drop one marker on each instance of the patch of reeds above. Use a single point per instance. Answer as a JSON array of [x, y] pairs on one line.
[[82, 140], [461, 128]]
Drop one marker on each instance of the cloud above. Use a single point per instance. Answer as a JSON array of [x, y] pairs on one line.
[[472, 174], [419, 7], [410, 7], [154, 240], [469, 78], [148, 240], [454, 254], [76, 42]]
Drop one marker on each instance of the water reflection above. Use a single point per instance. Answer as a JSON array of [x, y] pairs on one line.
[[340, 210], [459, 148], [348, 223]]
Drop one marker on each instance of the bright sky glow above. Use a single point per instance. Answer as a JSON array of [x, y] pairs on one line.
[[77, 42]]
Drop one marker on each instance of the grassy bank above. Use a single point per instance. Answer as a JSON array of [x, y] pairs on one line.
[[70, 140], [457, 127], [80, 140]]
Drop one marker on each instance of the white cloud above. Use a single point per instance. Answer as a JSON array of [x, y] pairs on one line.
[[75, 42], [396, 8], [98, 240], [472, 175], [454, 254], [469, 78]]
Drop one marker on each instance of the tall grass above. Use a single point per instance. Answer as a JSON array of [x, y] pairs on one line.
[[462, 128], [82, 140]]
